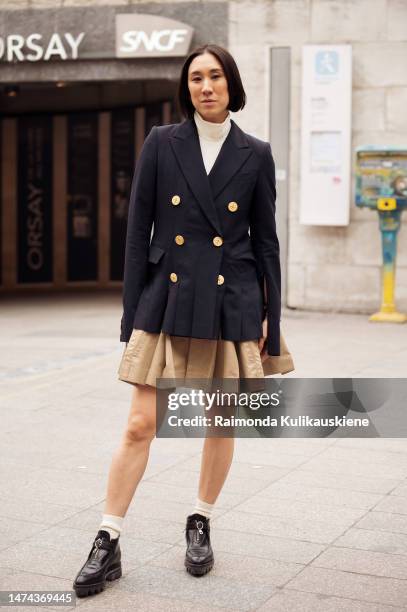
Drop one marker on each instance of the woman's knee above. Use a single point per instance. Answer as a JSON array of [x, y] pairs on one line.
[[141, 423], [140, 427]]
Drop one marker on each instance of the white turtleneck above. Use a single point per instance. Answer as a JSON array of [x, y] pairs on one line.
[[211, 137]]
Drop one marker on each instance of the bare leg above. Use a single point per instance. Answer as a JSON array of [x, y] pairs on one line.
[[216, 460], [130, 459]]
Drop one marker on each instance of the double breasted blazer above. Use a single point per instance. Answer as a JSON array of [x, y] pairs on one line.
[[202, 253]]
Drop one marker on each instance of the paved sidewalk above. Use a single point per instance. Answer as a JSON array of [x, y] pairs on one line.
[[301, 525]]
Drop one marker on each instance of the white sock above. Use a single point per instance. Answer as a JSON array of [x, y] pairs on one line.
[[112, 524], [203, 508]]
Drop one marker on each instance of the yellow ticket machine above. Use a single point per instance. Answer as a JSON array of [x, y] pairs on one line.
[[381, 184]]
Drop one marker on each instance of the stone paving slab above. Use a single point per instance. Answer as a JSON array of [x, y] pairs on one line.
[[288, 600], [295, 446], [400, 489], [369, 484], [362, 467], [274, 459], [315, 494], [284, 549], [213, 590], [395, 456], [396, 446], [246, 568], [35, 510], [384, 521], [374, 589], [290, 509], [369, 539], [161, 492], [131, 600], [361, 562], [245, 479], [393, 503], [299, 528]]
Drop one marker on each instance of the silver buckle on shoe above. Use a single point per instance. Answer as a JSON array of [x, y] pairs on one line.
[[98, 544]]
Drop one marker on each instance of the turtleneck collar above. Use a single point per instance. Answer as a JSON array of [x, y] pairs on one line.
[[210, 130]]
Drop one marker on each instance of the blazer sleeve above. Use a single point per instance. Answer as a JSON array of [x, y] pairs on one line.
[[266, 246], [139, 225]]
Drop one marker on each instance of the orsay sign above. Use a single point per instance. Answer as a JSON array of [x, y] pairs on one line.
[[35, 47], [137, 35]]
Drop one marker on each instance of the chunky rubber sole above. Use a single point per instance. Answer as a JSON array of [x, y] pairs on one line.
[[91, 589], [198, 570]]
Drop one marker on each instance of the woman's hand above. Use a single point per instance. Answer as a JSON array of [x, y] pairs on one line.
[[262, 342]]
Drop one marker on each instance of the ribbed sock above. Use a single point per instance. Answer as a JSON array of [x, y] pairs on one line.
[[112, 524], [203, 508]]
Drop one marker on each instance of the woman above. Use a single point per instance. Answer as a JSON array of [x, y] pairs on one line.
[[194, 305]]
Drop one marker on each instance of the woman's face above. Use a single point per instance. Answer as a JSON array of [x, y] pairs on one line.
[[208, 87]]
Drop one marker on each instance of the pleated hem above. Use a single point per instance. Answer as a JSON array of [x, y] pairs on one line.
[[196, 362]]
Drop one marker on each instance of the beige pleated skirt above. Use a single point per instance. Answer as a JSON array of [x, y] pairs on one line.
[[183, 361]]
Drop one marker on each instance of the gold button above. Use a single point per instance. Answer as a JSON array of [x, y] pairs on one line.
[[173, 277], [179, 239], [217, 241], [221, 279], [232, 206], [176, 200]]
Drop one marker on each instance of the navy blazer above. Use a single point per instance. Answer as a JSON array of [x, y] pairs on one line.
[[203, 275]]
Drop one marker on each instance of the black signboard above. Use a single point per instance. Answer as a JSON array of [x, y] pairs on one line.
[[34, 189], [82, 205], [122, 168]]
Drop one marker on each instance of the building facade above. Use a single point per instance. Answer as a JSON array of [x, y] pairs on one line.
[[75, 112]]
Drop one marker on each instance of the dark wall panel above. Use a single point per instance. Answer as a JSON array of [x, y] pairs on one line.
[[82, 205], [154, 116], [122, 168]]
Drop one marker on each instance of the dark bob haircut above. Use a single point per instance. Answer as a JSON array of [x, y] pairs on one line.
[[237, 96]]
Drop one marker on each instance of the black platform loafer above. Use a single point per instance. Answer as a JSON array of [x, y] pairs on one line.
[[199, 555], [103, 563]]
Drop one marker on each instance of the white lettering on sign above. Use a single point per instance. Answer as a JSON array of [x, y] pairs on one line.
[[14, 47], [158, 40], [74, 43], [143, 35], [35, 226]]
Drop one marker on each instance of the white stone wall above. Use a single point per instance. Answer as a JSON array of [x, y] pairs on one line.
[[332, 268], [24, 4], [328, 268]]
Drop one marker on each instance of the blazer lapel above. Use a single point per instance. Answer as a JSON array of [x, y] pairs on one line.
[[234, 152], [185, 144]]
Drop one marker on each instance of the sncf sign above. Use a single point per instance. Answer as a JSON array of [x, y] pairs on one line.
[[140, 35]]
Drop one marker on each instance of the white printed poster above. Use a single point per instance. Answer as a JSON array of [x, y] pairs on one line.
[[326, 135]]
